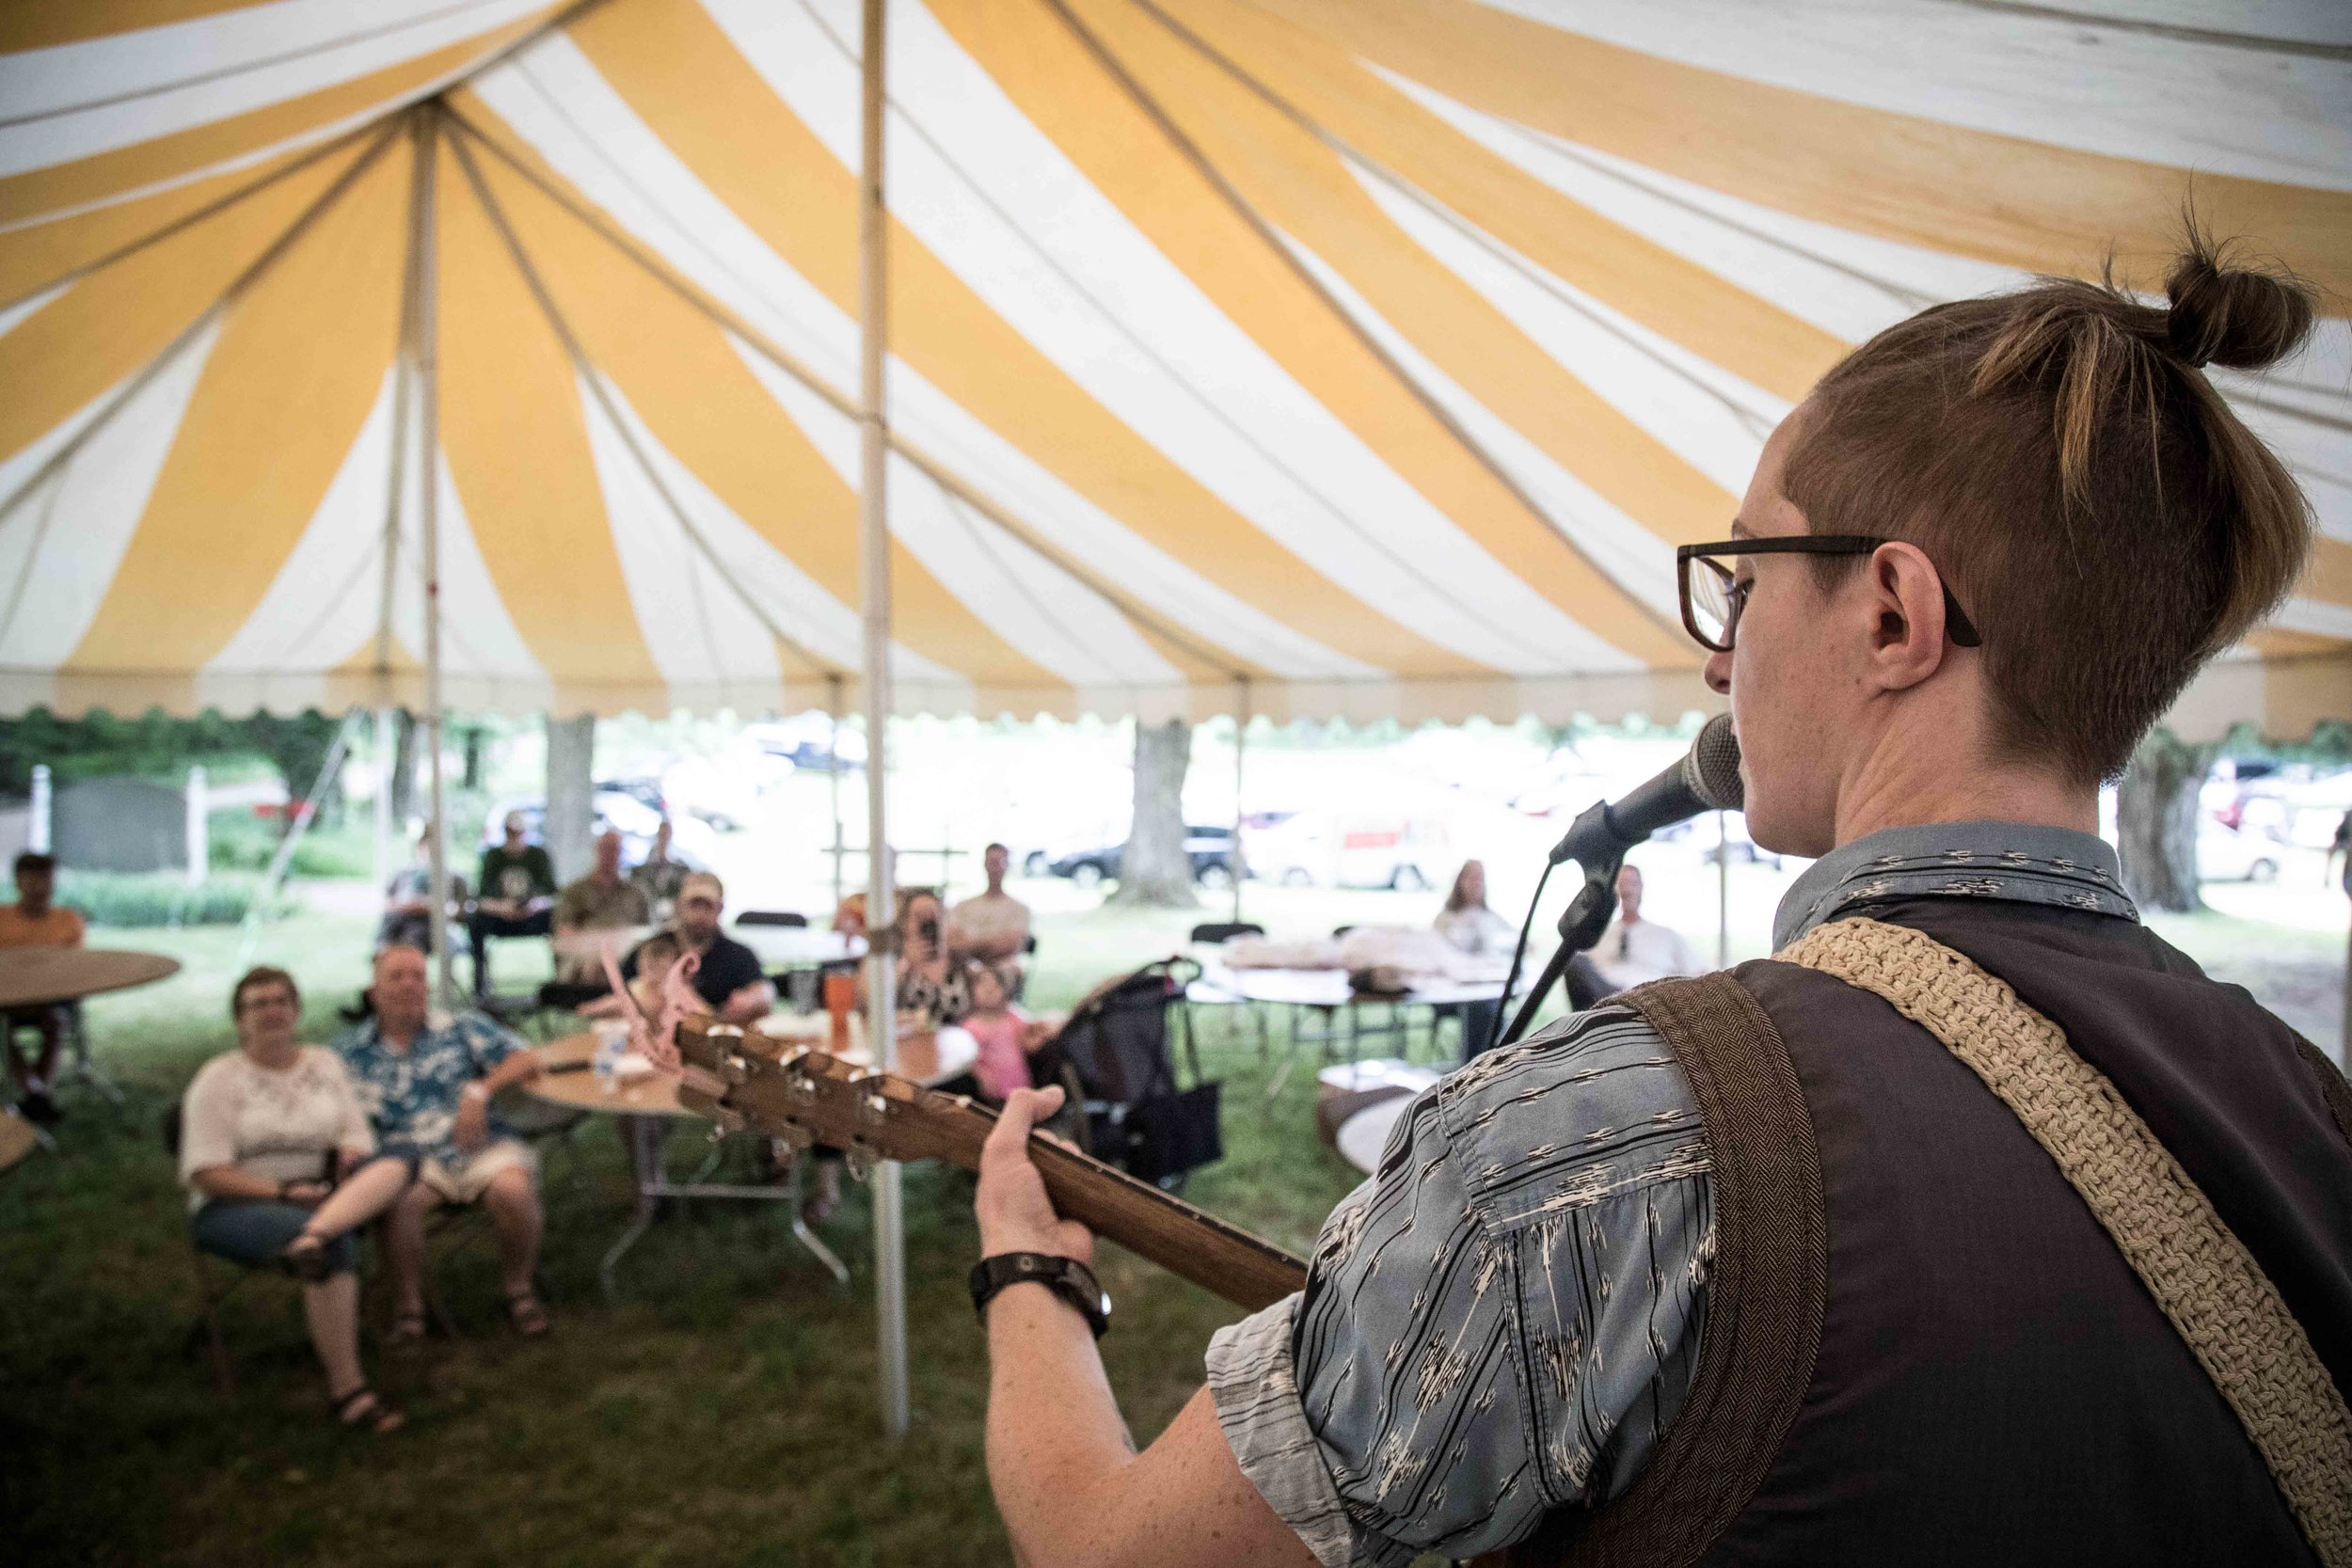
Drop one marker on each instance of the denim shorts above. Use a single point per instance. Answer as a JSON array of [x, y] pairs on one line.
[[255, 1231]]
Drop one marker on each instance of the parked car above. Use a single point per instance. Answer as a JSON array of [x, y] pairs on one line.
[[1210, 849], [810, 741], [2227, 854], [1347, 848]]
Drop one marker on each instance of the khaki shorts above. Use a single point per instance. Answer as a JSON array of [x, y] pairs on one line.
[[466, 1178]]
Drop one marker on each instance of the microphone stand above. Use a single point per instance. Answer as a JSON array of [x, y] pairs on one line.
[[1581, 927]]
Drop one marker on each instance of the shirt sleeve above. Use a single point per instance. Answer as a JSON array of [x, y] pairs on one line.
[[208, 1123], [1499, 1321], [728, 967], [488, 1043]]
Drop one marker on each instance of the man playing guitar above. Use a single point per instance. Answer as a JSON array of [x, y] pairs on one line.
[[1511, 1336]]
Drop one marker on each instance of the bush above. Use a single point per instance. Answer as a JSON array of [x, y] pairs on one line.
[[136, 899], [243, 842]]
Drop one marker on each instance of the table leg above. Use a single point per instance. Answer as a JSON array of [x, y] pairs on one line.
[[642, 1135], [802, 1234], [87, 1070]]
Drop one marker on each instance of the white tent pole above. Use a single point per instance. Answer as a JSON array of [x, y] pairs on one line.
[[429, 528], [890, 1279], [832, 779], [1241, 728], [387, 744]]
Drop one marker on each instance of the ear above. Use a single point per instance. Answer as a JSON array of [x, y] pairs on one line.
[[1906, 601]]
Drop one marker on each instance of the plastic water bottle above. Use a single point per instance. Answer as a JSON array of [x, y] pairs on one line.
[[611, 1044]]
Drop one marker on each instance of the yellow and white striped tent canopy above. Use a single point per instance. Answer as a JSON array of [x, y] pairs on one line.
[[1333, 356]]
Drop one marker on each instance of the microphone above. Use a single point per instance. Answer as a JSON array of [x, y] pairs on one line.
[[1706, 779]]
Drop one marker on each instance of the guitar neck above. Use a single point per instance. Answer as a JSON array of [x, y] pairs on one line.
[[820, 1098], [1187, 1240]]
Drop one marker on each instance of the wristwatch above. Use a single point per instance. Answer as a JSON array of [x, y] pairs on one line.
[[1065, 1277]]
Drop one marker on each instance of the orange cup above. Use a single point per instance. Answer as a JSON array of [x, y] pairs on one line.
[[840, 996]]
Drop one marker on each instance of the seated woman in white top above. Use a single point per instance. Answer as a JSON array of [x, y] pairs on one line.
[[282, 1169], [1468, 923]]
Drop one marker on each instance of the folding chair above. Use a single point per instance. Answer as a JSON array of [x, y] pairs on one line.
[[216, 1283]]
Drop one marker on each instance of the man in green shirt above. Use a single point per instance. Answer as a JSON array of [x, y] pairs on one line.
[[517, 897], [603, 900]]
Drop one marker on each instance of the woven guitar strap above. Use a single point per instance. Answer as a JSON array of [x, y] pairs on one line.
[[2219, 1298]]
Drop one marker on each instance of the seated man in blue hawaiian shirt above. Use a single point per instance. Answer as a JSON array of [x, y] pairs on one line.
[[426, 1080]]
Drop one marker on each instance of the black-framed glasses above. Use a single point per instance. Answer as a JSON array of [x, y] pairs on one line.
[[1713, 595]]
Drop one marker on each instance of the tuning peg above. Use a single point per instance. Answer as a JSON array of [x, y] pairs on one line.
[[872, 1105]]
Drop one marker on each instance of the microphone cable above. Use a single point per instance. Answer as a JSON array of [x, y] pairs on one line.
[[1518, 958]]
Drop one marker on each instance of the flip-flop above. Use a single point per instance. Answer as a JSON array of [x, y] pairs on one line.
[[361, 1410], [528, 1315]]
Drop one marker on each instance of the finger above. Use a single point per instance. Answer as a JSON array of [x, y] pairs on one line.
[[1011, 1131]]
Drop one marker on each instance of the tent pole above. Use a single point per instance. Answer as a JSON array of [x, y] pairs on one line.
[[832, 779], [1241, 730], [429, 521], [890, 1281], [386, 742]]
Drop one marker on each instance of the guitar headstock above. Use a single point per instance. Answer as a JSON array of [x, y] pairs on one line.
[[805, 1096]]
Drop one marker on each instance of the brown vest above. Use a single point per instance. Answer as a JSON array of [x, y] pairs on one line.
[[1988, 1381]]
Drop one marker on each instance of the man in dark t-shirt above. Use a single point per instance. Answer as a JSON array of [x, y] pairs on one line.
[[517, 897], [730, 979]]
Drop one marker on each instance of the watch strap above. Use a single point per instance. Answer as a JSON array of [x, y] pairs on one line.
[[1068, 1279]]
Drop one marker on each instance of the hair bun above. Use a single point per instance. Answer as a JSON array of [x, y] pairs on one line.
[[2239, 316]]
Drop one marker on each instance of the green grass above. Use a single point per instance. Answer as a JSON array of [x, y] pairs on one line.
[[723, 1413]]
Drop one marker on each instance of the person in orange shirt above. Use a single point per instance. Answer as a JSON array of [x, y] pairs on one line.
[[33, 921]]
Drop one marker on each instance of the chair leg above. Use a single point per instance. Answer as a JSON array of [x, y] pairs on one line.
[[207, 1326]]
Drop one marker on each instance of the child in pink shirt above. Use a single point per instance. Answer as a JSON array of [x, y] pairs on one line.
[[1004, 1065]]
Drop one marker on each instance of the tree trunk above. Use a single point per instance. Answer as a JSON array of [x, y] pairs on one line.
[[570, 826], [2156, 813], [1153, 869], [404, 771]]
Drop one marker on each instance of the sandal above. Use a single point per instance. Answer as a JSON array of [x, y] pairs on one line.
[[408, 1330], [306, 1257], [361, 1410], [528, 1317]]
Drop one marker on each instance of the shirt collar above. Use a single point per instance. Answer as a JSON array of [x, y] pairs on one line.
[[2010, 860]]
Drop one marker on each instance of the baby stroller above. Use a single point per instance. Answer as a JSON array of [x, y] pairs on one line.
[[1114, 1062]]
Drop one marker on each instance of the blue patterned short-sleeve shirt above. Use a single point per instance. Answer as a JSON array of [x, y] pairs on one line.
[[412, 1096], [1506, 1317]]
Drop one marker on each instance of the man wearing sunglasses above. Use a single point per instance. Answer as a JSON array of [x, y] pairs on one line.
[[1844, 1257]]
